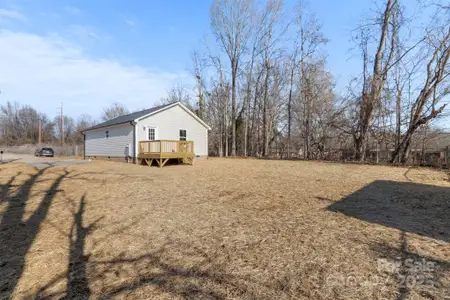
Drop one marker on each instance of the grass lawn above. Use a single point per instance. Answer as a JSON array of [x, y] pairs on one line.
[[224, 229]]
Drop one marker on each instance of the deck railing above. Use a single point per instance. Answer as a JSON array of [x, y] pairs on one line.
[[166, 147], [163, 150]]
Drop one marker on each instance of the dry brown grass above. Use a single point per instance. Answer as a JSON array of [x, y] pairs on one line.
[[223, 229]]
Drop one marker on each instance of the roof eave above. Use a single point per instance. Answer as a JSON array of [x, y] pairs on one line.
[[132, 122]]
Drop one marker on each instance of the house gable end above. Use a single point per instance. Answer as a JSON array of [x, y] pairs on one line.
[[171, 106]]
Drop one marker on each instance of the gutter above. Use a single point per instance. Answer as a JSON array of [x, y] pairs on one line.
[[92, 128]]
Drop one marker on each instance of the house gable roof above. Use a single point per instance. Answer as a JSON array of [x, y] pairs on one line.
[[172, 105], [143, 114], [127, 118]]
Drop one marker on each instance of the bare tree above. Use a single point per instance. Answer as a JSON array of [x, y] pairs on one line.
[[178, 93], [269, 51], [373, 84], [114, 111], [84, 121], [288, 99], [20, 125], [198, 66], [266, 19], [231, 27], [310, 39], [431, 101]]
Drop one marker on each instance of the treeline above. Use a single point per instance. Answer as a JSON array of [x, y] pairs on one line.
[[19, 125], [264, 87]]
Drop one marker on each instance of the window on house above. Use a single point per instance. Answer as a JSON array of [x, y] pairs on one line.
[[107, 134], [151, 134], [183, 134]]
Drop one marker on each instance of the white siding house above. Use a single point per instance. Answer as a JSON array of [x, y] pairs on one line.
[[119, 138], [110, 141]]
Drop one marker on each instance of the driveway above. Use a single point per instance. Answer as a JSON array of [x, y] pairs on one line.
[[41, 161]]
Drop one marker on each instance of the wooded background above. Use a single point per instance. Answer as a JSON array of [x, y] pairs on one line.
[[263, 86]]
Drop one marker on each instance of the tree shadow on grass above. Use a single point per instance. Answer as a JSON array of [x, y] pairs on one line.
[[175, 269], [16, 235], [77, 282], [198, 276], [410, 207], [5, 188]]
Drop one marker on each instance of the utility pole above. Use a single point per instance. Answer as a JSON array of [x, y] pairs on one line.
[[40, 133], [61, 138]]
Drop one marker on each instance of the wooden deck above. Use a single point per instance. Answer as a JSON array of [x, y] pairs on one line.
[[163, 150]]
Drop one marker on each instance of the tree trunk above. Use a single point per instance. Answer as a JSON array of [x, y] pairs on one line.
[[247, 103], [289, 124], [360, 149], [225, 125], [307, 114], [246, 126], [255, 115], [406, 149], [289, 108], [398, 118], [265, 127], [233, 109], [307, 129], [221, 140], [401, 152]]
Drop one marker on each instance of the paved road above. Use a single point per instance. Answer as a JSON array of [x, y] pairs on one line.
[[41, 161]]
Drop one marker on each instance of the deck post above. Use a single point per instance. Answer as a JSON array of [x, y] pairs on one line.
[[160, 154], [164, 162]]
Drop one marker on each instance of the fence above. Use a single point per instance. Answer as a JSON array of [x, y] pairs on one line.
[[417, 157], [66, 150]]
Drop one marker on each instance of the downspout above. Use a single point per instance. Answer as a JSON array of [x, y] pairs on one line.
[[133, 123], [84, 145]]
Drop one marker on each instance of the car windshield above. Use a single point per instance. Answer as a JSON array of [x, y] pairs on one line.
[[47, 149]]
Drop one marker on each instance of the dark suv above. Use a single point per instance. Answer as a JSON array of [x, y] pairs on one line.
[[44, 152]]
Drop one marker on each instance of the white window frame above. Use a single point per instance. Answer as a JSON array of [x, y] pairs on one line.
[[179, 134], [148, 132]]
